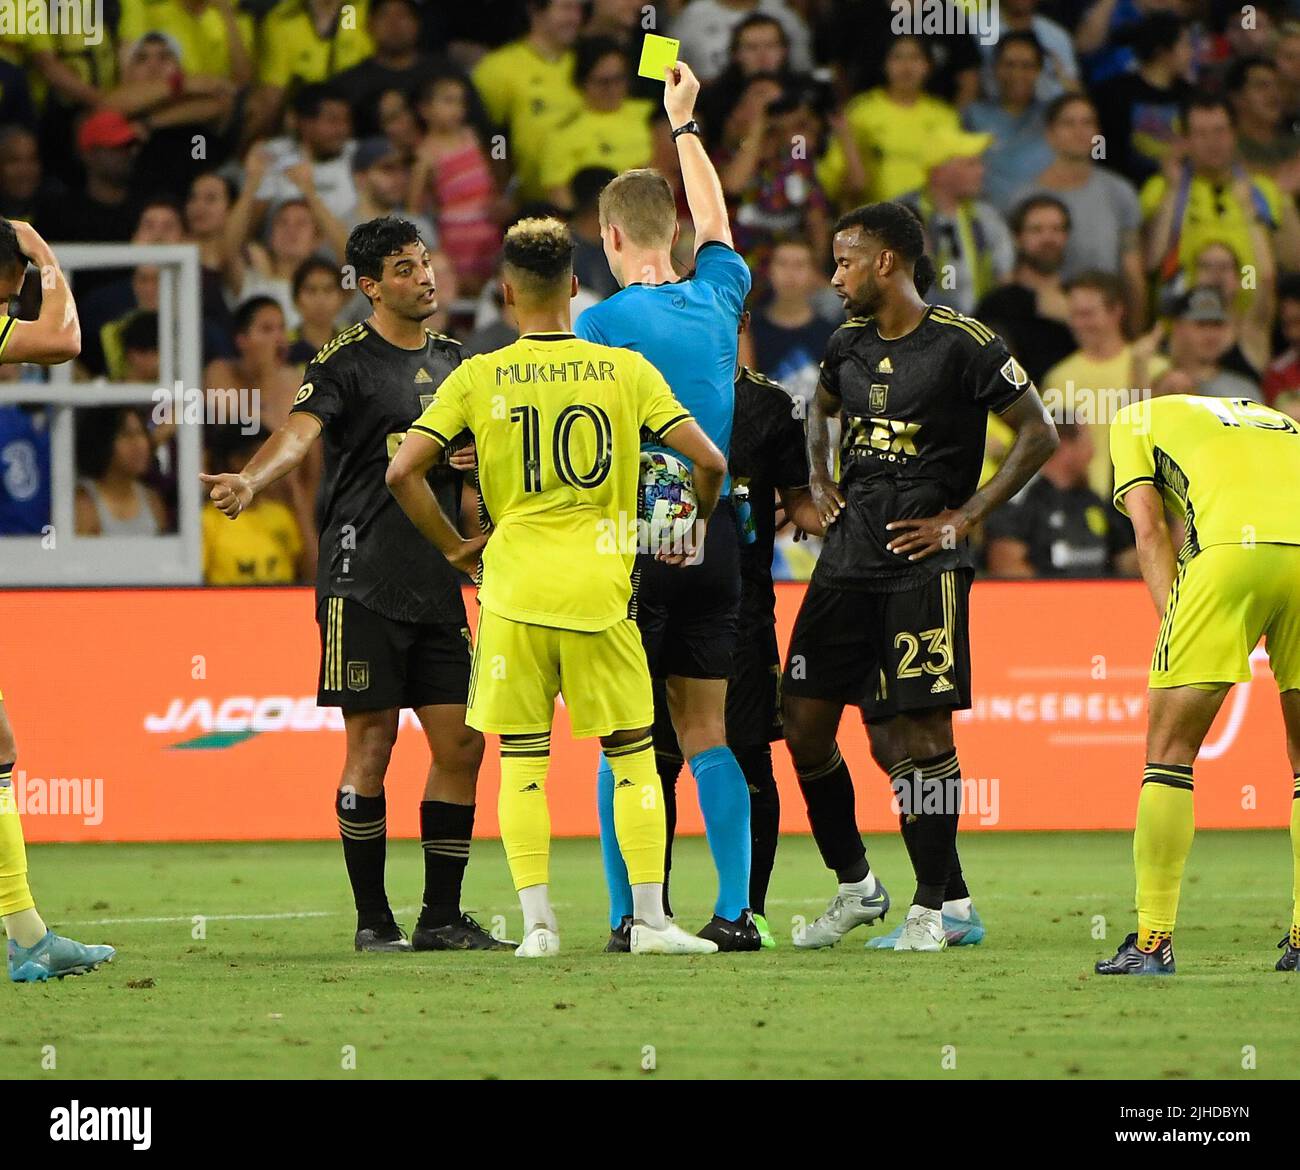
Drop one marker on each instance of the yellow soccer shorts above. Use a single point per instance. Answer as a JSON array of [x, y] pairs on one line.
[[1222, 602], [519, 669]]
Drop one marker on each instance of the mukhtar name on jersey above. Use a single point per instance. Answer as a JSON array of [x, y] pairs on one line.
[[521, 373]]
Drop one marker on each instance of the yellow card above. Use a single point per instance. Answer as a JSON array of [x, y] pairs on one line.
[[657, 54]]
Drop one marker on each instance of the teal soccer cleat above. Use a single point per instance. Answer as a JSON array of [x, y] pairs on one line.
[[53, 958], [961, 932]]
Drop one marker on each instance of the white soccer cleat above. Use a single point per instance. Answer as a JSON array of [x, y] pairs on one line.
[[539, 943], [844, 913], [923, 931], [671, 939]]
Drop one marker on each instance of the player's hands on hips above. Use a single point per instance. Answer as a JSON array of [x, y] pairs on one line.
[[467, 556], [681, 87], [691, 549], [827, 498], [918, 539], [464, 458], [230, 492]]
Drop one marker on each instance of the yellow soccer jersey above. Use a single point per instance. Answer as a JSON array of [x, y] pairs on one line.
[[201, 35], [617, 140], [260, 548], [289, 47], [557, 424], [1229, 466], [529, 97]]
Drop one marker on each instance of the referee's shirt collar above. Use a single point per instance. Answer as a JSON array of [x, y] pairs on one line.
[[547, 337]]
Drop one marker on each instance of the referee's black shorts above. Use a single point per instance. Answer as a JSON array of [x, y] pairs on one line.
[[889, 653], [373, 663], [688, 614], [753, 697]]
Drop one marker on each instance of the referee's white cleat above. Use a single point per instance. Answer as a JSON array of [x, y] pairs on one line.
[[670, 939], [539, 943], [923, 931], [849, 908]]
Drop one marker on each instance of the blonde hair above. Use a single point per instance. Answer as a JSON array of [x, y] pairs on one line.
[[538, 257], [641, 203]]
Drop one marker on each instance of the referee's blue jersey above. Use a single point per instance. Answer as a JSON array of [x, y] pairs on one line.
[[687, 330]]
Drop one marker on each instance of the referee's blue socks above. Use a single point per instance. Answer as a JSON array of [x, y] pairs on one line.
[[620, 891], [724, 803]]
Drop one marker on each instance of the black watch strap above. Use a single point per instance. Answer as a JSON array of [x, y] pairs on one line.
[[691, 127]]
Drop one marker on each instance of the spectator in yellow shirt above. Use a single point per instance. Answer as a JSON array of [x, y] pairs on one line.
[[265, 547], [305, 41], [611, 130], [209, 36], [1204, 194], [527, 87], [891, 126], [1105, 373]]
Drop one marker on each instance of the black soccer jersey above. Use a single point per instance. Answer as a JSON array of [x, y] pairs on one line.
[[767, 452], [366, 392], [913, 420]]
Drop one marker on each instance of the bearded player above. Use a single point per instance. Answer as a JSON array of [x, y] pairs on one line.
[[884, 620], [36, 953], [1231, 469]]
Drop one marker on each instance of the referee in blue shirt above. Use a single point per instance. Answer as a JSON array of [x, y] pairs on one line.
[[687, 328]]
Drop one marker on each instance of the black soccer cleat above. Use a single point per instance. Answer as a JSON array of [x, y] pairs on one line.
[[740, 935], [463, 935], [1291, 960], [1129, 960], [620, 939], [386, 938]]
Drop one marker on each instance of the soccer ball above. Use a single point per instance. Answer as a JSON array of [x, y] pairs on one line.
[[668, 504]]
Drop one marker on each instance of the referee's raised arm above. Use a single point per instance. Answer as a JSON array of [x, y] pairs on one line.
[[699, 178]]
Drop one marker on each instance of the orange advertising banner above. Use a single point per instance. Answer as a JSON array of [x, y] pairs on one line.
[[191, 715]]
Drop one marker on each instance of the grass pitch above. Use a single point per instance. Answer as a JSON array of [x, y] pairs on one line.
[[266, 984]]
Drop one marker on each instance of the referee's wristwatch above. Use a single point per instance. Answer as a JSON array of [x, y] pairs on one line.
[[691, 127]]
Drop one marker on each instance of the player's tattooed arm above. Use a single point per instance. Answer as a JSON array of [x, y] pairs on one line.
[[826, 496], [407, 480], [1155, 546], [233, 491], [1035, 441]]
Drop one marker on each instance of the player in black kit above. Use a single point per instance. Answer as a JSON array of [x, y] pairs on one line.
[[883, 623], [392, 619], [769, 459]]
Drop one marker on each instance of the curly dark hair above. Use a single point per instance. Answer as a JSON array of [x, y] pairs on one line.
[[11, 255], [899, 229], [373, 241]]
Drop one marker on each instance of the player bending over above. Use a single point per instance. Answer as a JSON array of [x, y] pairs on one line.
[[768, 459], [884, 621], [557, 423], [1231, 469], [392, 619], [35, 952], [687, 615]]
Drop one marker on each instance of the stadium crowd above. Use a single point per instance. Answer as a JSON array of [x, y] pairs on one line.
[[1110, 185]]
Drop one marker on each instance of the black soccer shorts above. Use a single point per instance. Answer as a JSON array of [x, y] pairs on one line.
[[373, 663], [889, 653], [687, 614], [753, 697]]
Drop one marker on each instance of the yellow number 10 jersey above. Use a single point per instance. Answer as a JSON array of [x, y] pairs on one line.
[[1231, 467], [557, 423]]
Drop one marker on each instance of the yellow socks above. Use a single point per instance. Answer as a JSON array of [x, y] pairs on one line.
[[522, 812], [14, 894], [1295, 863], [639, 810], [1165, 826]]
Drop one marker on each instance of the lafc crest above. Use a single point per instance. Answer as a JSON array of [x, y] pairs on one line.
[[358, 676], [878, 397]]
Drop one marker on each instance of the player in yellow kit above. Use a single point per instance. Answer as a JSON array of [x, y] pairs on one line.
[[36, 953], [1231, 469], [557, 422]]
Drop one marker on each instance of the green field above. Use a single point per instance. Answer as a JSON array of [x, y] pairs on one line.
[[275, 990]]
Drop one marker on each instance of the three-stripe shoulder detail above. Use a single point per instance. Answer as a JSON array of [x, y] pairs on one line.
[[352, 333], [946, 316]]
